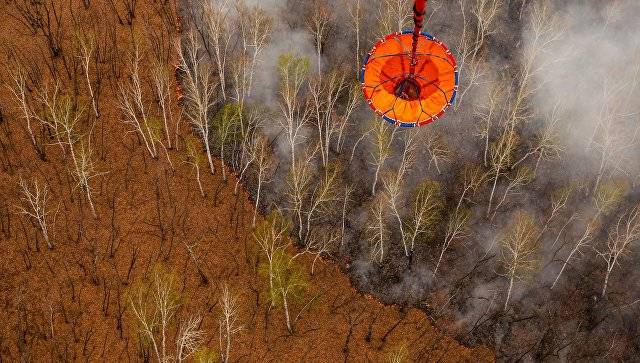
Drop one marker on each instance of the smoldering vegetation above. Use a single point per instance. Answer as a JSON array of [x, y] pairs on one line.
[[513, 220]]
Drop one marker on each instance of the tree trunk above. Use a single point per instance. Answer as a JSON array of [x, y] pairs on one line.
[[506, 302]]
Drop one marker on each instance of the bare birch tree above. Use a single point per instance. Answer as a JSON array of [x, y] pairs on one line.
[[457, 230], [381, 140], [426, 211], [606, 198], [286, 279], [296, 114], [438, 150], [131, 102], [472, 41], [299, 182], [319, 26], [264, 165], [256, 36], [323, 197], [86, 45], [272, 235], [289, 282], [324, 94], [36, 205], [194, 159], [519, 248], [393, 184], [354, 8], [85, 171], [624, 234], [523, 176], [19, 89], [228, 322], [376, 229], [199, 90], [473, 178], [162, 86], [154, 306], [216, 22], [547, 146], [393, 16], [188, 339], [501, 156]]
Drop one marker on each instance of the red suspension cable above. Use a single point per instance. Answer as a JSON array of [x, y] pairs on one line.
[[418, 17]]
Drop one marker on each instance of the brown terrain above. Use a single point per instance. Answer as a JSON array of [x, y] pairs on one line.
[[72, 302]]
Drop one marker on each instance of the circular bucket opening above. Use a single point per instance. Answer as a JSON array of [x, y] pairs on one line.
[[408, 89]]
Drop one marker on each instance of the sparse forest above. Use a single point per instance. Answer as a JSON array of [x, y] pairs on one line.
[[512, 222], [201, 180], [125, 237]]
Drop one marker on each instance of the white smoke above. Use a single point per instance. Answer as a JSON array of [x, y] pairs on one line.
[[592, 75]]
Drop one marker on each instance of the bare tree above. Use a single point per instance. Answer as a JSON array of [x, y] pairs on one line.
[[606, 198], [85, 171], [86, 45], [189, 339], [199, 90], [162, 86], [580, 244], [376, 229], [247, 131], [547, 145], [619, 242], [473, 178], [319, 26], [286, 279], [255, 36], [472, 41], [392, 186], [215, 16], [19, 90], [289, 281], [523, 176], [154, 306], [272, 235], [324, 94], [296, 114], [609, 138], [194, 159], [426, 211], [489, 114], [228, 322], [299, 182], [131, 102], [323, 197], [559, 199], [63, 117], [35, 205], [393, 16], [457, 230], [544, 29], [501, 157], [354, 8], [265, 163], [437, 148], [381, 141], [519, 249]]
